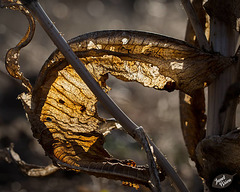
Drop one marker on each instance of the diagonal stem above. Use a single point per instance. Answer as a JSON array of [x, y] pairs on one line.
[[154, 179], [125, 121], [196, 24]]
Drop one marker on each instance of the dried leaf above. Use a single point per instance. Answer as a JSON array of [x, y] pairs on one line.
[[64, 118], [11, 4], [150, 59], [219, 155], [63, 111], [12, 56], [226, 11], [64, 106], [83, 151], [192, 108], [136, 186], [30, 169], [193, 120]]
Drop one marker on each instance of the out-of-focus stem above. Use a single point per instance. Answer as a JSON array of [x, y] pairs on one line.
[[223, 40], [198, 29]]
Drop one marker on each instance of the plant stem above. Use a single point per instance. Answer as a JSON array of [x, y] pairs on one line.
[[223, 40], [192, 16], [108, 103]]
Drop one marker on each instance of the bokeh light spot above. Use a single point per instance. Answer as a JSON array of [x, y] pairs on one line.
[[156, 9], [60, 10], [95, 8]]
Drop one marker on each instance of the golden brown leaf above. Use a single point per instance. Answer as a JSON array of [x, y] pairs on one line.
[[12, 56], [64, 119], [62, 109], [150, 59]]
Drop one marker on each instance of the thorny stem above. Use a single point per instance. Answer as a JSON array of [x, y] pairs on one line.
[[202, 40], [108, 103]]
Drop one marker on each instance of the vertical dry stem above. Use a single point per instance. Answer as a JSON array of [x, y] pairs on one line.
[[223, 40], [192, 109]]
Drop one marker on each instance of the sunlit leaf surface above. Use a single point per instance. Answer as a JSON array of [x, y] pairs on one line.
[[150, 59], [63, 112], [66, 108], [62, 109]]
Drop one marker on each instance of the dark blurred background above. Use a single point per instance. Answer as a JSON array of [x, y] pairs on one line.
[[156, 111]]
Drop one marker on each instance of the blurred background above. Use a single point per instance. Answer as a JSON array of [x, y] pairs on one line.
[[156, 111]]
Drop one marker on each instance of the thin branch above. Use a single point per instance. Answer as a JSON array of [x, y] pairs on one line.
[[10, 156], [202, 40], [154, 178], [79, 67]]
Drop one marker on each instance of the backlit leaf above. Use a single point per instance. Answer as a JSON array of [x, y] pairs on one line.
[[150, 59], [63, 110], [12, 56], [64, 118]]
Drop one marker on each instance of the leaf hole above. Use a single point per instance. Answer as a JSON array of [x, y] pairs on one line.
[[61, 101], [170, 86], [83, 108], [49, 119]]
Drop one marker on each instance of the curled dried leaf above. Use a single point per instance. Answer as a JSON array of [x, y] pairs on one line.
[[226, 11], [219, 155], [12, 56], [193, 120], [64, 118], [63, 110], [150, 59], [192, 108]]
